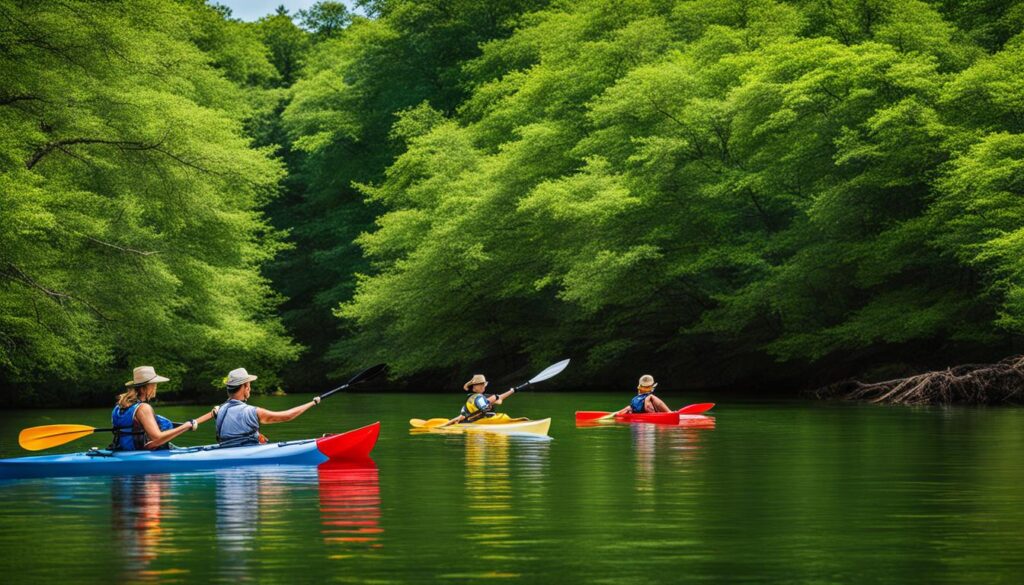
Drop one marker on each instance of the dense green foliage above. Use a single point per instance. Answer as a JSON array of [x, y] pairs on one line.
[[718, 191], [339, 132], [130, 222], [702, 185]]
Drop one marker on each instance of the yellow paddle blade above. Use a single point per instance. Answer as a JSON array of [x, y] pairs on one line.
[[419, 423], [46, 436]]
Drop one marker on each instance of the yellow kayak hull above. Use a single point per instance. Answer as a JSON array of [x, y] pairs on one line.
[[505, 426]]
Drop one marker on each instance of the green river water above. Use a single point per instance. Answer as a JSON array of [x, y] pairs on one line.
[[770, 492]]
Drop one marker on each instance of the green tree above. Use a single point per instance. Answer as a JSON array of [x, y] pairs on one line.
[[339, 122], [130, 229], [325, 19], [691, 183]]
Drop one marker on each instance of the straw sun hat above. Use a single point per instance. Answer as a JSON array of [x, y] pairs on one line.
[[143, 375], [647, 381], [477, 379]]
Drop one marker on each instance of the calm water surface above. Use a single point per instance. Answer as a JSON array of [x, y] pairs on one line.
[[793, 492]]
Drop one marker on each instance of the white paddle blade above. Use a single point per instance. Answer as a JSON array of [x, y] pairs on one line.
[[550, 372]]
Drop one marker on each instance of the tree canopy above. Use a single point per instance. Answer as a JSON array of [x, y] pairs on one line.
[[727, 191], [131, 228]]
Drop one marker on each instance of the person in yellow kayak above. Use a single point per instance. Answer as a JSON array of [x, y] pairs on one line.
[[645, 400], [136, 425], [238, 423], [478, 406]]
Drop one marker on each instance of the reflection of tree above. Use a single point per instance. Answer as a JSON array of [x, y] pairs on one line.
[[350, 506], [136, 513]]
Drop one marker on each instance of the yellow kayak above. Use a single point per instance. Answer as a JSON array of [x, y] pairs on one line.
[[500, 423]]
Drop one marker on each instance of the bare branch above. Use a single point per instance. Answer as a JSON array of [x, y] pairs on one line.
[[17, 275], [116, 247], [60, 144]]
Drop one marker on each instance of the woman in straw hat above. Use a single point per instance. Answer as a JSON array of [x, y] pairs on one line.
[[645, 400], [136, 425]]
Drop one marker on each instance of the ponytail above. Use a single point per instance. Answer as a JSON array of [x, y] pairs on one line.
[[128, 397]]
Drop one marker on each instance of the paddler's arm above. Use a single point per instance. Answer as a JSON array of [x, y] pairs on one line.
[[146, 417], [501, 397], [268, 417]]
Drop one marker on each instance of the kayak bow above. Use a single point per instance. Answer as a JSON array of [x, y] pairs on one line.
[[351, 445]]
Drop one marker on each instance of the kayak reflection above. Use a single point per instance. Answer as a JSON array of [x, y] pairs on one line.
[[259, 507], [501, 514], [682, 441], [138, 515], [350, 506]]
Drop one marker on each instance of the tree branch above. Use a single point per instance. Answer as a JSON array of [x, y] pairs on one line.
[[50, 147], [16, 274]]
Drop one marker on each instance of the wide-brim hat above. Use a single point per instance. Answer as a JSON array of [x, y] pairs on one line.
[[238, 376], [476, 379], [143, 375], [647, 381]]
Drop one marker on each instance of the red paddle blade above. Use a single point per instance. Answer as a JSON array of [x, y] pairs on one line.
[[589, 415], [697, 408]]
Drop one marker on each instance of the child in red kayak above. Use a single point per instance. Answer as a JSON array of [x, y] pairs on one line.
[[645, 400]]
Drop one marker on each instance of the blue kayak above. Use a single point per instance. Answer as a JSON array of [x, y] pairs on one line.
[[352, 445]]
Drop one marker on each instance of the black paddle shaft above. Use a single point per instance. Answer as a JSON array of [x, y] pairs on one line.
[[367, 374]]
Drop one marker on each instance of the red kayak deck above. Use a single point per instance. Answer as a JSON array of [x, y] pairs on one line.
[[660, 418]]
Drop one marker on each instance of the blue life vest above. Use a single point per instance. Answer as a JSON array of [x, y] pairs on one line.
[[128, 432], [477, 406], [638, 403]]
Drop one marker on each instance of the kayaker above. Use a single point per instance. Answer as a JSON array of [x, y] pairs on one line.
[[136, 425], [645, 400], [239, 423], [478, 405]]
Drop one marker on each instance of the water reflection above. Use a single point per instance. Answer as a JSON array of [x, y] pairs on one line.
[[139, 516], [256, 506], [350, 507], [506, 484], [684, 441]]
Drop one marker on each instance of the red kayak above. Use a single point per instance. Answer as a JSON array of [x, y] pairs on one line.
[[584, 416], [659, 418]]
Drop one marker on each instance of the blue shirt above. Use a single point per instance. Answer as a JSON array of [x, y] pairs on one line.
[[238, 424]]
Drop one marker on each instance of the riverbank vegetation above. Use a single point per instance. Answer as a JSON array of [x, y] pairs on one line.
[[724, 192]]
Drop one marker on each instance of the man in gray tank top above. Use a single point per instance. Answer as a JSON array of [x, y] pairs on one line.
[[238, 423]]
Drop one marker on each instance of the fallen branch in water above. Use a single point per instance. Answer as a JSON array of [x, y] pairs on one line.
[[1002, 382]]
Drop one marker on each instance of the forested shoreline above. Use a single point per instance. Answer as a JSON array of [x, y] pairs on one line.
[[725, 193]]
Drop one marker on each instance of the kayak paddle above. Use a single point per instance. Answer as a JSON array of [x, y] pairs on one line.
[[46, 436], [549, 372], [367, 374], [419, 423], [596, 415]]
